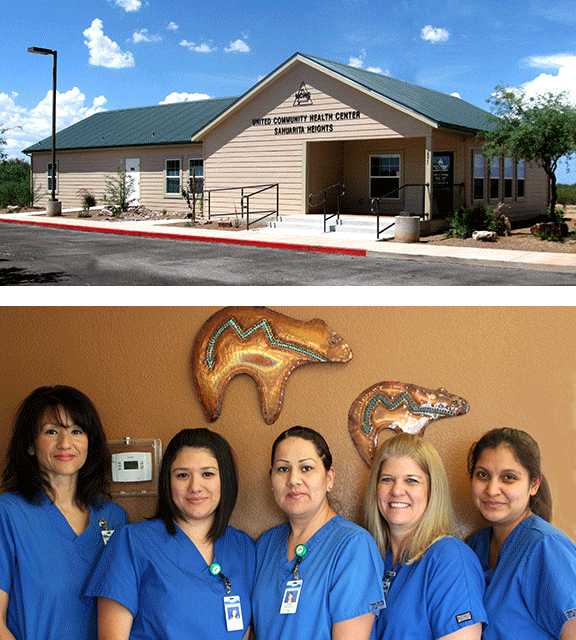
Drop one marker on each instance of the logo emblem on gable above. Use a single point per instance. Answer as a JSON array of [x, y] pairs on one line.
[[302, 96]]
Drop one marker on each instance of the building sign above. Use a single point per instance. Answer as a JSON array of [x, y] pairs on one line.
[[305, 123], [302, 96]]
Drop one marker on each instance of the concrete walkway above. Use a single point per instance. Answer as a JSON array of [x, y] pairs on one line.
[[339, 242]]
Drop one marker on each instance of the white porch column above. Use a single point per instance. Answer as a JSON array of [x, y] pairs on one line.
[[428, 176]]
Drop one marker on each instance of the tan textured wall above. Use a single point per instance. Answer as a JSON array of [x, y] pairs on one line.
[[510, 364], [238, 153], [89, 169]]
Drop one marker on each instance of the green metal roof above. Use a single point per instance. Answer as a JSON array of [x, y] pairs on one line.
[[161, 124], [446, 110], [177, 123]]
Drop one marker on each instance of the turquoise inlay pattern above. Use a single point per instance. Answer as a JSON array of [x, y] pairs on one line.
[[262, 325], [404, 398]]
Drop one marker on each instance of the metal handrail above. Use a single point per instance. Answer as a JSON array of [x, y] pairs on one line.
[[245, 201], [375, 205], [266, 212], [340, 189]]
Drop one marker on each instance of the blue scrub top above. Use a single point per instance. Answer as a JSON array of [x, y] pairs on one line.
[[341, 579], [531, 592], [44, 566], [164, 581], [438, 594]]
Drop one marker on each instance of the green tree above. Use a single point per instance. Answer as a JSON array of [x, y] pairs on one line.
[[540, 128], [3, 155]]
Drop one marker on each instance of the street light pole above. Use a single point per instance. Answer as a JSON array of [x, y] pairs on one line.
[[54, 206]]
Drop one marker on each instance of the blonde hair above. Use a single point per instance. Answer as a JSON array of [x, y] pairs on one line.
[[437, 520]]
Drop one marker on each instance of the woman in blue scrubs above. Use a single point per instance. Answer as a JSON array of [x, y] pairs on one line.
[[54, 517], [318, 576], [529, 565], [185, 573], [433, 584]]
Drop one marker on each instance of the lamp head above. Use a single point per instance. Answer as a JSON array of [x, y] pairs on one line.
[[41, 51]]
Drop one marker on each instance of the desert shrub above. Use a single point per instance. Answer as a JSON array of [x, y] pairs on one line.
[[464, 221], [566, 193], [119, 191], [88, 200]]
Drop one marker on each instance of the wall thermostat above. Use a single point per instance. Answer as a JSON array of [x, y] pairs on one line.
[[134, 466]]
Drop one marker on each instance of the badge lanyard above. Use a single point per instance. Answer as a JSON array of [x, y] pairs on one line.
[[293, 588], [105, 532], [232, 605], [387, 583]]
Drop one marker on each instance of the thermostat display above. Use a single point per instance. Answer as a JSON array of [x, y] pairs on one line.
[[133, 466]]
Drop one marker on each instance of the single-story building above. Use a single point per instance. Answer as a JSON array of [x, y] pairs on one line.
[[309, 124]]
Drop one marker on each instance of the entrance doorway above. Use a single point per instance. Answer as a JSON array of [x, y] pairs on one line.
[[443, 182]]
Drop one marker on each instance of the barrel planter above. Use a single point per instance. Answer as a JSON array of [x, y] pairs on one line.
[[407, 229]]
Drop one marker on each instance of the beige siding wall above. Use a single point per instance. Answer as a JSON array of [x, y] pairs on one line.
[[89, 169], [239, 153], [535, 188]]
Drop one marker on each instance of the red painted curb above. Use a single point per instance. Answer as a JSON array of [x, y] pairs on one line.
[[175, 236]]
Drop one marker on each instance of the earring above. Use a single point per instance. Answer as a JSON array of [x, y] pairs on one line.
[[30, 450]]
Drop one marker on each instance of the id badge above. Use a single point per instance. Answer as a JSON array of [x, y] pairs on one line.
[[291, 596], [233, 613], [106, 535]]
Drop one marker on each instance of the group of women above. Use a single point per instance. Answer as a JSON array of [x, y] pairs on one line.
[[71, 568]]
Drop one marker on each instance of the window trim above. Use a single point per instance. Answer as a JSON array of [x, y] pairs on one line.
[[49, 190], [498, 177], [474, 178], [190, 161], [170, 194], [399, 177], [517, 180], [504, 179]]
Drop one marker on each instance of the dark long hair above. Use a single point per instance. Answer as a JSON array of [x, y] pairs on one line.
[[306, 433], [200, 438], [527, 453], [22, 474]]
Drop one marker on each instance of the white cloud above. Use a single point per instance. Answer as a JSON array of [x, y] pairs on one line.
[[27, 126], [172, 26], [564, 78], [145, 36], [175, 96], [358, 63], [237, 46], [104, 52], [456, 94], [202, 47], [129, 5], [434, 34]]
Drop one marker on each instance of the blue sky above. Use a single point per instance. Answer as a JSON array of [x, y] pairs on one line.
[[124, 53]]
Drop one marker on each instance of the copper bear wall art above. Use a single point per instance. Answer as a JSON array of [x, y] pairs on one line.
[[263, 344], [401, 407]]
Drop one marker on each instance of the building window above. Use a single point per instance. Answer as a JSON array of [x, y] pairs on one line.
[[196, 169], [385, 176], [495, 178], [50, 178], [508, 177], [479, 169], [173, 177], [520, 178]]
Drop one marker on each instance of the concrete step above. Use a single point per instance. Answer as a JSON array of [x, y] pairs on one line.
[[352, 226]]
